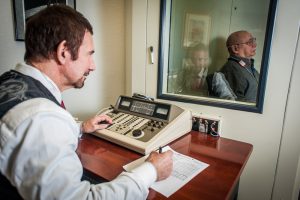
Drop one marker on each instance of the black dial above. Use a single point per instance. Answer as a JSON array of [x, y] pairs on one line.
[[137, 132]]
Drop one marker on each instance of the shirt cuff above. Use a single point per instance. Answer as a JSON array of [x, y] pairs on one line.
[[146, 172], [79, 123]]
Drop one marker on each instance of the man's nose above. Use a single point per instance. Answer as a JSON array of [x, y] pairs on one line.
[[92, 65]]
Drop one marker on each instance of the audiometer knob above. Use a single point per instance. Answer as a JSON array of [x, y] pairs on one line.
[[137, 132]]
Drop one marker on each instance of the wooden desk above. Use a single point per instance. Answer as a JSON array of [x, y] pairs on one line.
[[226, 159]]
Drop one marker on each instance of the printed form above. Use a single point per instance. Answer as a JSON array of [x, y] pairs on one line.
[[184, 169]]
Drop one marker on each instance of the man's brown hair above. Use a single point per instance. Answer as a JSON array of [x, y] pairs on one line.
[[48, 28]]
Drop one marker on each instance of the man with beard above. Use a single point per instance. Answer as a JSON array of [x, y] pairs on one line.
[[38, 138], [192, 77]]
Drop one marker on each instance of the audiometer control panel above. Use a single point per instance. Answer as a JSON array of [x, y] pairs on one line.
[[143, 125], [140, 128]]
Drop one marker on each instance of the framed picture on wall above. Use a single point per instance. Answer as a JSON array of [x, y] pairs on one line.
[[24, 9], [196, 29]]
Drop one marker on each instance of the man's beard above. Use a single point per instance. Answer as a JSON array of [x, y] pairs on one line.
[[80, 83]]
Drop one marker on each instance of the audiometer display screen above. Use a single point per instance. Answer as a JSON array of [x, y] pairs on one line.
[[142, 107], [162, 111], [125, 103]]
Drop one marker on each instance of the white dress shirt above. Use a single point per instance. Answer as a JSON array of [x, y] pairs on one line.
[[38, 140], [40, 76]]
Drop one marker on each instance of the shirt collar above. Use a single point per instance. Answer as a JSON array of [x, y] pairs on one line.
[[244, 62], [40, 76]]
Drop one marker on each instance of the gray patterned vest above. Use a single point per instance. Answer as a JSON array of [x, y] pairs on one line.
[[14, 89]]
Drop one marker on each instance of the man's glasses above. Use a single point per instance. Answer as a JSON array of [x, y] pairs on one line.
[[250, 42]]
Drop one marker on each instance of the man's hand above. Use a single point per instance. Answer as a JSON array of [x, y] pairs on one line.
[[163, 163], [95, 123]]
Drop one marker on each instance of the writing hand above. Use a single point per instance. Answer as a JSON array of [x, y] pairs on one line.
[[163, 163]]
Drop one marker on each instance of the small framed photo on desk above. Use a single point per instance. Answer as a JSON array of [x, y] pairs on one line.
[[207, 124], [24, 9]]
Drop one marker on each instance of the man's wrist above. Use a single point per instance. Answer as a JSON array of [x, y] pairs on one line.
[[147, 172]]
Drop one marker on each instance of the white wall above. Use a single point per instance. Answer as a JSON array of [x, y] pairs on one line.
[[135, 36], [104, 85], [108, 20], [286, 179], [11, 51], [266, 132]]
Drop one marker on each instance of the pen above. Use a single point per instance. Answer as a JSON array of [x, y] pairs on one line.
[[160, 150]]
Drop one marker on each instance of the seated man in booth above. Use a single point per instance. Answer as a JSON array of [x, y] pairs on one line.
[[239, 69]]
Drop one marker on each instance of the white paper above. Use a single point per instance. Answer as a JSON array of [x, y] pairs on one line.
[[184, 169]]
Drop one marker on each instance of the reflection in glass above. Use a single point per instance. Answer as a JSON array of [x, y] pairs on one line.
[[193, 47], [191, 78]]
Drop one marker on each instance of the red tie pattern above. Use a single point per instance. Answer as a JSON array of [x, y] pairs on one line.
[[62, 105]]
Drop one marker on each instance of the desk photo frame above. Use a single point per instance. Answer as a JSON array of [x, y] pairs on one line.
[[23, 9], [207, 124]]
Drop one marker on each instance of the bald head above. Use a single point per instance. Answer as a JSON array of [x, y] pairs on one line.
[[236, 38], [241, 43]]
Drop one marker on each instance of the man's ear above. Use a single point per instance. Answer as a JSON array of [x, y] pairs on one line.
[[62, 52], [235, 49]]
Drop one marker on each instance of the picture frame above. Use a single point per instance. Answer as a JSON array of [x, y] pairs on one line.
[[196, 29], [23, 9]]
